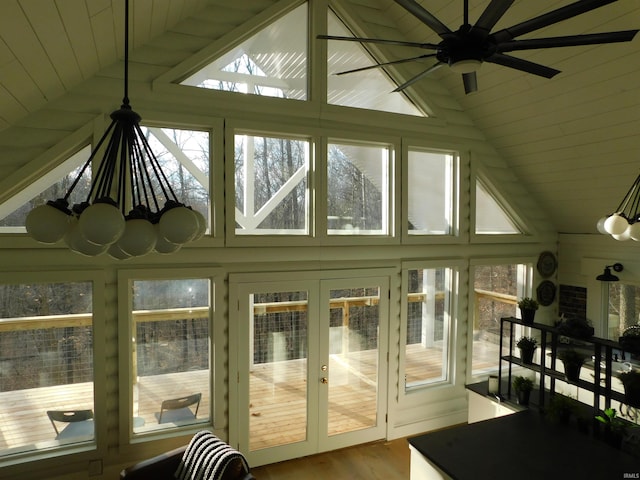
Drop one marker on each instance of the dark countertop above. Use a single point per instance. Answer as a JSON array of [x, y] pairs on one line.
[[524, 445]]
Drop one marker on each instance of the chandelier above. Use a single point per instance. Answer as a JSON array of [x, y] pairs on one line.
[[624, 223], [131, 209]]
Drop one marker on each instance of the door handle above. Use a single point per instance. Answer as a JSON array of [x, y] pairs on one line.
[[324, 380], [323, 368]]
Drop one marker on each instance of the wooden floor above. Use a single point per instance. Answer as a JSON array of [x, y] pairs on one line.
[[277, 392], [373, 461]]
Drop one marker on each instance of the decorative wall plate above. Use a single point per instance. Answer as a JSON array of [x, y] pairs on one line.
[[547, 264], [546, 293]]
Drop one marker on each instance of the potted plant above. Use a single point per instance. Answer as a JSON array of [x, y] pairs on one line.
[[528, 307], [573, 361], [575, 327], [527, 346], [630, 339], [523, 386], [614, 427], [560, 408], [631, 382]]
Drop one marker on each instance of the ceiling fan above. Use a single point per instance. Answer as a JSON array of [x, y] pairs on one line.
[[465, 49]]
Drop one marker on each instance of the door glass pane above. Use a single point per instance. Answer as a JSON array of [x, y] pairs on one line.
[[278, 370], [353, 359], [170, 359], [428, 322]]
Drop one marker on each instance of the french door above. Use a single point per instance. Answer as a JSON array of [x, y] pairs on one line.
[[311, 365]]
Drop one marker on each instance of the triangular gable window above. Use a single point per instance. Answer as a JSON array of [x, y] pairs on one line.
[[371, 88], [491, 217], [271, 63], [51, 186]]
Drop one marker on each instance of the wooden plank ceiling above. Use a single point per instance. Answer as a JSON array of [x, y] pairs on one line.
[[573, 140]]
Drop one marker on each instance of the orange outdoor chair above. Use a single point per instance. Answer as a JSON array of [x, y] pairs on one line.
[[178, 410]]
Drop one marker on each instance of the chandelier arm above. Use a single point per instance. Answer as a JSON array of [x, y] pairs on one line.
[[626, 199], [104, 182], [633, 211], [157, 169], [88, 162], [145, 186]]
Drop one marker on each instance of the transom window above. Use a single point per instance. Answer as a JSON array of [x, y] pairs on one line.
[[358, 189]]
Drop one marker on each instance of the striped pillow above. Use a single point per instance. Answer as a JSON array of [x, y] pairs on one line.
[[207, 457]]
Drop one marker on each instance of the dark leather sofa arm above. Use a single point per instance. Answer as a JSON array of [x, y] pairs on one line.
[[161, 467]]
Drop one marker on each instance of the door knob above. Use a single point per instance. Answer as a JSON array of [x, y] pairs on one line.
[[323, 368], [324, 380]]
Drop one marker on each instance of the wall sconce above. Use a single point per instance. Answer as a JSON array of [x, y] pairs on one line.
[[607, 276]]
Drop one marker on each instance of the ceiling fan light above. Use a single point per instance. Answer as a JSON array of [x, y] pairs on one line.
[[467, 65]]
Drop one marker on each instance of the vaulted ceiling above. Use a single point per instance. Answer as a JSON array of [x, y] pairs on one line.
[[572, 140]]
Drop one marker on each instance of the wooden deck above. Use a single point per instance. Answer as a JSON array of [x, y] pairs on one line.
[[278, 393]]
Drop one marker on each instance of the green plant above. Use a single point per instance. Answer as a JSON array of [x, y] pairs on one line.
[[572, 356], [610, 419], [527, 342], [522, 384], [528, 303], [561, 407]]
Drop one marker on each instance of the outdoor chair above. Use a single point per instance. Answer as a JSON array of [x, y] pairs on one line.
[[79, 423], [178, 410]]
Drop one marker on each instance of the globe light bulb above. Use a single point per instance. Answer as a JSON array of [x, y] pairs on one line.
[[178, 225], [202, 225], [102, 223], [616, 224], [47, 224], [600, 225], [77, 243], [634, 231], [139, 237], [116, 252]]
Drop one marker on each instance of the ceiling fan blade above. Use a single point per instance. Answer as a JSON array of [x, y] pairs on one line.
[[494, 12], [470, 81], [420, 76], [523, 65], [546, 19], [568, 41], [399, 43], [425, 17], [404, 60]]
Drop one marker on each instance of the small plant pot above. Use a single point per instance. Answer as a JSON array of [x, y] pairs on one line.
[[523, 397], [528, 315], [572, 371], [526, 355], [632, 395]]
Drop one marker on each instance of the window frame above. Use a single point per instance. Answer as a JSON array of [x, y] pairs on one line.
[[459, 191], [49, 457], [455, 267], [217, 355], [524, 289]]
